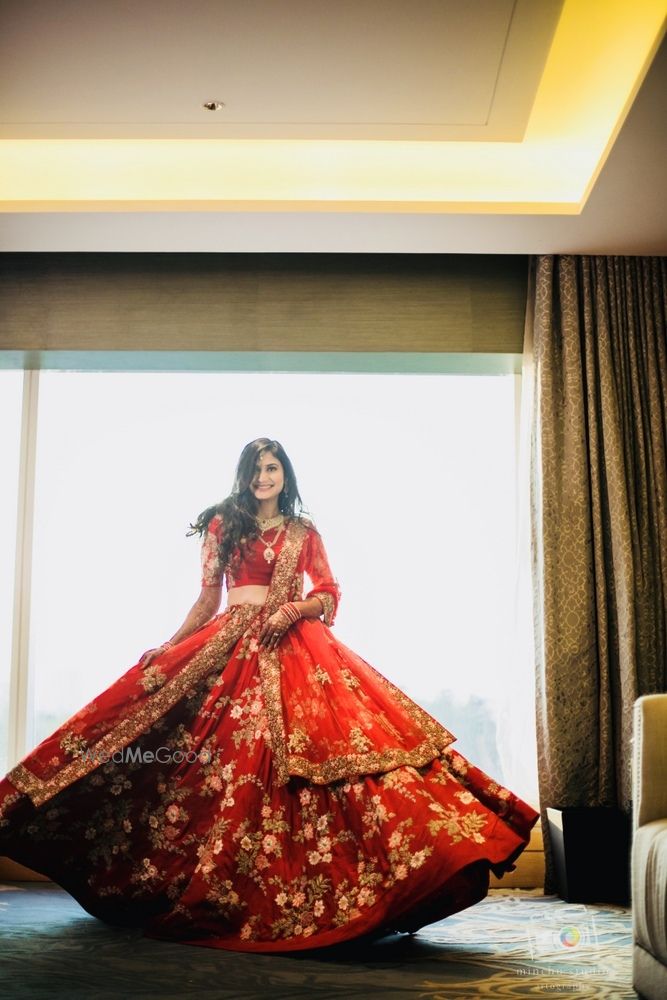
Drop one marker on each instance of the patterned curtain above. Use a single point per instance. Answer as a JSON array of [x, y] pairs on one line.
[[597, 338]]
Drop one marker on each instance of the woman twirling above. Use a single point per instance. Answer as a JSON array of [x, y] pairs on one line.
[[252, 783]]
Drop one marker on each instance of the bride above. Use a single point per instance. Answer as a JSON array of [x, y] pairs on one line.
[[252, 783]]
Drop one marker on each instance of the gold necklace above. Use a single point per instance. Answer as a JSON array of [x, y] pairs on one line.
[[269, 553], [266, 523]]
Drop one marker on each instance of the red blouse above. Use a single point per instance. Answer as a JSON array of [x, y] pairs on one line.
[[255, 570]]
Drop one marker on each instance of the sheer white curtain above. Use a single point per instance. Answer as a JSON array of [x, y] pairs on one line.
[[517, 738], [11, 395]]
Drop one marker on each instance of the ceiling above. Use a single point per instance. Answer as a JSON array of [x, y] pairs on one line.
[[499, 126], [303, 69]]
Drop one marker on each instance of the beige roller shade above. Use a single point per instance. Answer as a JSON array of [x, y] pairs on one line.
[[262, 302]]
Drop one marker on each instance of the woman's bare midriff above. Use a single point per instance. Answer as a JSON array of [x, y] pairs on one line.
[[250, 594]]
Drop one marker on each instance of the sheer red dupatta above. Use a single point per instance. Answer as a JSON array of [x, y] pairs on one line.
[[325, 587]]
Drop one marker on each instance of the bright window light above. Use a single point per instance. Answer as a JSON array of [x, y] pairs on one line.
[[410, 478]]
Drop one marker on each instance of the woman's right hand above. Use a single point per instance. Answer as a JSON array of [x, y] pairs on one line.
[[152, 654], [201, 611]]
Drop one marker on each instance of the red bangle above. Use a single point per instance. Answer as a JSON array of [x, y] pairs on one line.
[[291, 612]]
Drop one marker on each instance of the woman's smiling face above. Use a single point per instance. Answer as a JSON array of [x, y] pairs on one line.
[[269, 477]]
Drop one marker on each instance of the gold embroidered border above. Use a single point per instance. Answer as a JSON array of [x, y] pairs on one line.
[[436, 733], [205, 661], [269, 662], [269, 673], [328, 604], [355, 764], [283, 571]]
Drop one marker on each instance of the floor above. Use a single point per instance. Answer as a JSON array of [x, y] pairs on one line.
[[515, 943]]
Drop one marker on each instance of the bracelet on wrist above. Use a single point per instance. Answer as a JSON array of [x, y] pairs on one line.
[[167, 644], [291, 612]]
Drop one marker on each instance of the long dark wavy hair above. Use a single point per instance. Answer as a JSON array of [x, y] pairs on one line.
[[239, 509]]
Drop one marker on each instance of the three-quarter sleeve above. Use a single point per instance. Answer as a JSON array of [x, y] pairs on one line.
[[325, 586], [211, 571]]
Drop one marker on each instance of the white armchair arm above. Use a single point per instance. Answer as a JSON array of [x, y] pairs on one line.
[[649, 759]]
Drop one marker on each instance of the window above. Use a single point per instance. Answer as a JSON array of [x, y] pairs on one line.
[[410, 478]]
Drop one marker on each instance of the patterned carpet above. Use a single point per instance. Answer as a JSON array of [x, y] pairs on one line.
[[515, 943]]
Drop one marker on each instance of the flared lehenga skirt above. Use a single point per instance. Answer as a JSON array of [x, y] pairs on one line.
[[183, 829]]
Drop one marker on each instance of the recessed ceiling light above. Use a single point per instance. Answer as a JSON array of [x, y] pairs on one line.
[[213, 105]]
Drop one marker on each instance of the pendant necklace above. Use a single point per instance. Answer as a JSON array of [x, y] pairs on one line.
[[279, 522]]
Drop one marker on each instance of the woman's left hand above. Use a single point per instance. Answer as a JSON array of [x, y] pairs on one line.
[[273, 630]]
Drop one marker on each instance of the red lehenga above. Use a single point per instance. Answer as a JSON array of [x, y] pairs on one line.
[[294, 798]]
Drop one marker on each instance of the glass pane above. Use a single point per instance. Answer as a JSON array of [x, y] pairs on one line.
[[11, 394], [410, 478]]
